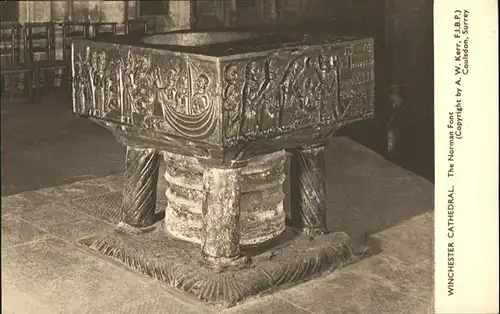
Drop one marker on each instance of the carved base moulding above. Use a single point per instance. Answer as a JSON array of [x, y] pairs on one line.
[[221, 107], [292, 258]]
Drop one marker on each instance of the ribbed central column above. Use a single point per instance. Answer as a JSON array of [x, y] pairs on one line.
[[262, 216]]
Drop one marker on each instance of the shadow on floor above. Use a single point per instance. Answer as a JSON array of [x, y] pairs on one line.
[[413, 147], [45, 145]]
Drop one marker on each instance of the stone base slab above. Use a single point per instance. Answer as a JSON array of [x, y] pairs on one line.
[[107, 206], [289, 259], [286, 260]]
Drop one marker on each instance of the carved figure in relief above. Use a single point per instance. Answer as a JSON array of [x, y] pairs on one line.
[[270, 96], [139, 84], [201, 99], [99, 65], [109, 102], [128, 65], [309, 95], [254, 80], [145, 86], [230, 98], [88, 72], [289, 83], [170, 87], [286, 88], [165, 82], [323, 67], [182, 96], [91, 65], [355, 101], [347, 100], [230, 92], [79, 86], [290, 91], [327, 66]]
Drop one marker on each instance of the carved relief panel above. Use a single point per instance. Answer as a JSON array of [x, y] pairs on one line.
[[167, 94], [260, 95], [295, 89]]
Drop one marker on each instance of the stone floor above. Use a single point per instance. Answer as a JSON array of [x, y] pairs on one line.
[[49, 156], [46, 145]]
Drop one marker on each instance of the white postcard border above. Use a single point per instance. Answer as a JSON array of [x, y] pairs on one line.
[[466, 156]]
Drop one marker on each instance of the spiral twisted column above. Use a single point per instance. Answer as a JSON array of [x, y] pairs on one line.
[[308, 189], [139, 190]]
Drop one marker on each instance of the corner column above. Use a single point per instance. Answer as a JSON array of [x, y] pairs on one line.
[[221, 215], [139, 190], [308, 189]]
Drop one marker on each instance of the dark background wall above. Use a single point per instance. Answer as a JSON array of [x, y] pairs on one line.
[[403, 33], [402, 30], [9, 11]]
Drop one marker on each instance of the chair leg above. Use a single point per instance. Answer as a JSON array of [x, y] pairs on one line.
[[58, 78], [36, 80], [68, 85], [41, 84], [12, 85], [6, 85], [32, 82], [46, 81], [29, 84]]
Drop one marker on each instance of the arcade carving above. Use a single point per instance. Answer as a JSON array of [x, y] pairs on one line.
[[260, 96], [285, 92], [174, 96]]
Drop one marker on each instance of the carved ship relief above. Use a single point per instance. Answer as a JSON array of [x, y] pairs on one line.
[[261, 95], [174, 96]]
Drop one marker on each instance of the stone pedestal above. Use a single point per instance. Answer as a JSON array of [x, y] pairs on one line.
[[233, 101], [262, 216]]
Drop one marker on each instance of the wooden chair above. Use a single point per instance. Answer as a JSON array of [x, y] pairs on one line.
[[136, 27], [103, 29], [73, 30], [41, 40], [13, 62]]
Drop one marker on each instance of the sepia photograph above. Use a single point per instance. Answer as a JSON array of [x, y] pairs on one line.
[[243, 156]]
